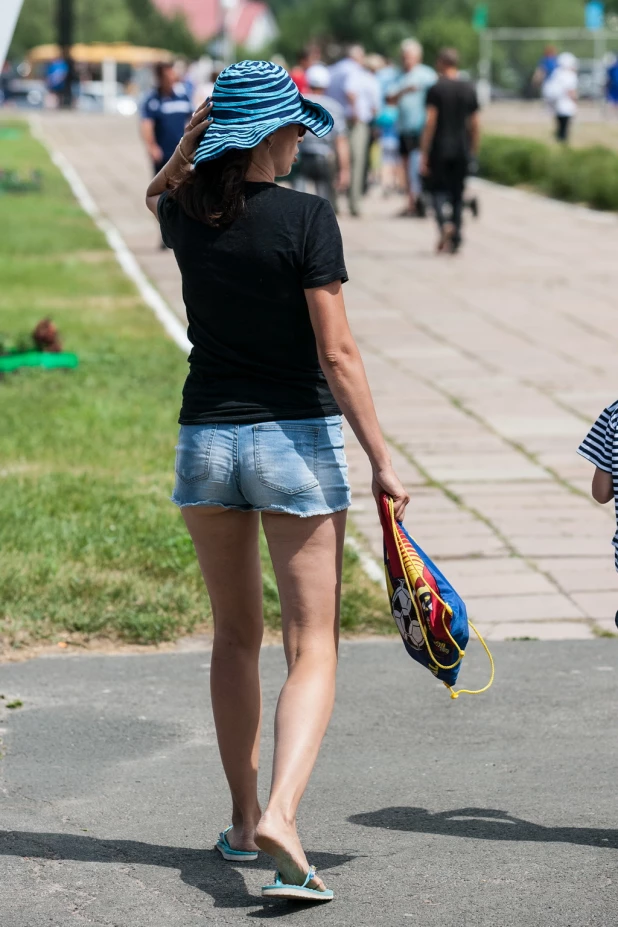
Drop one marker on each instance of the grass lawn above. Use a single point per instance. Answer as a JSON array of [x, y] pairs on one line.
[[91, 545]]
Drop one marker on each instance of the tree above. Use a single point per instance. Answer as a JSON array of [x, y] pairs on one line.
[[137, 21], [381, 24]]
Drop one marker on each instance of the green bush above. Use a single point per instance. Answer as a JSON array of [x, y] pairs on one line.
[[513, 161], [584, 175]]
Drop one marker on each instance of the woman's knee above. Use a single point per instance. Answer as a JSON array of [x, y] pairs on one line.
[[241, 634], [316, 649]]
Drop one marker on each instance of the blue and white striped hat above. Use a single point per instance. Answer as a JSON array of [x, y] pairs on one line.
[[251, 100]]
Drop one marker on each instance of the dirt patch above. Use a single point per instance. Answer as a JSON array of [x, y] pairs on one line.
[[76, 645]]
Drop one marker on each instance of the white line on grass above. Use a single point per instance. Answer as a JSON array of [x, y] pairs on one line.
[[125, 257], [369, 566], [152, 297]]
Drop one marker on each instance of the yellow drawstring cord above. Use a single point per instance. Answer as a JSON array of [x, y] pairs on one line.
[[456, 694], [405, 559]]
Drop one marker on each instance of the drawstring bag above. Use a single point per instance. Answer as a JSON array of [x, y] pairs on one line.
[[430, 616]]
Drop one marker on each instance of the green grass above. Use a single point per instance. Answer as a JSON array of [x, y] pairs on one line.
[[91, 545]]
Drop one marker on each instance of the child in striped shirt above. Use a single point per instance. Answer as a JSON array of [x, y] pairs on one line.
[[600, 447]]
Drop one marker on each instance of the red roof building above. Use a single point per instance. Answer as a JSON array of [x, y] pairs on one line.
[[250, 22]]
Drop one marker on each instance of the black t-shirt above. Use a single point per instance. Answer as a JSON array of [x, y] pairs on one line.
[[254, 356], [455, 101]]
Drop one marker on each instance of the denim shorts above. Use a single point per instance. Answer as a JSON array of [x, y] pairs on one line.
[[297, 467]]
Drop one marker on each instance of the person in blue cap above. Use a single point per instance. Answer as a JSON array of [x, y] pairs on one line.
[[272, 368]]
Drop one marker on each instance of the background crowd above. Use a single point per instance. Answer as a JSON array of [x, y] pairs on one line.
[[382, 135]]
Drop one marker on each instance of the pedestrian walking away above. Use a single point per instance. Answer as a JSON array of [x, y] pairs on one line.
[[308, 57], [450, 139], [272, 368], [409, 92], [358, 90], [611, 83], [546, 66], [560, 92], [324, 162]]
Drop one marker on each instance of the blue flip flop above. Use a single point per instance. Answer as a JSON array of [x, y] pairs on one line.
[[281, 889], [226, 851]]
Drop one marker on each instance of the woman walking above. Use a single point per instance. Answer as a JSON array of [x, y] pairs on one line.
[[272, 368]]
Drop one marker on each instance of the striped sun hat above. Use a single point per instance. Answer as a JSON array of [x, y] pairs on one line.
[[251, 100]]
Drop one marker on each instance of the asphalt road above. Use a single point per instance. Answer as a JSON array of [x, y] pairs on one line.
[[491, 811]]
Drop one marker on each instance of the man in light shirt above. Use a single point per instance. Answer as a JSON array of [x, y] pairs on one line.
[[341, 71], [362, 94], [409, 92]]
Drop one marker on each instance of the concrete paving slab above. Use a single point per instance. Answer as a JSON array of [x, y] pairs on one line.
[[579, 574], [603, 605]]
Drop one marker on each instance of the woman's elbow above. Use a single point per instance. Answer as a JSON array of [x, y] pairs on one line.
[[339, 357]]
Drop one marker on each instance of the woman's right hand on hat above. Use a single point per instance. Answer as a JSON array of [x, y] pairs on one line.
[[197, 125], [386, 480]]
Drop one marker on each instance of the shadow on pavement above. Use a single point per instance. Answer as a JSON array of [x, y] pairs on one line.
[[202, 869], [483, 824]]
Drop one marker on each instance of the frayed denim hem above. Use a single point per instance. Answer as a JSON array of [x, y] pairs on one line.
[[281, 509]]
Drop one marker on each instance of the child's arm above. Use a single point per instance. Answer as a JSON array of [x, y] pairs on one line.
[[602, 488]]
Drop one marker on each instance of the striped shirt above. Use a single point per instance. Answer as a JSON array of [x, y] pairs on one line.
[[600, 447]]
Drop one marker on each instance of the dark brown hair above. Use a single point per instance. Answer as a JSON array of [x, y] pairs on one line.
[[213, 192], [448, 57], [159, 70]]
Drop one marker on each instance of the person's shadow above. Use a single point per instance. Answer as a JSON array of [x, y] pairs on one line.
[[483, 824], [202, 869]]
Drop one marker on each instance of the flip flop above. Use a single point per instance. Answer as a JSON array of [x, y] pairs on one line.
[[281, 889], [226, 851]]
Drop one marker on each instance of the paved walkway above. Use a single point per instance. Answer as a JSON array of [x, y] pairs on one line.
[[112, 794], [487, 371]]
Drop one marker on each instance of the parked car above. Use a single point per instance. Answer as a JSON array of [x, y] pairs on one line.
[[91, 98], [24, 93]]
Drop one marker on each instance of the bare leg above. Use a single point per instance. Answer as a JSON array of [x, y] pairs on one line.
[[227, 547], [307, 556]]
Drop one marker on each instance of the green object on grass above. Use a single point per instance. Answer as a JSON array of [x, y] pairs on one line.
[[12, 182], [8, 133], [48, 361]]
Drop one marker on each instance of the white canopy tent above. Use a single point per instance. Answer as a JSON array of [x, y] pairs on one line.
[[8, 20]]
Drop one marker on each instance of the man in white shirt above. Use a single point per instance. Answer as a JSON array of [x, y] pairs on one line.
[[560, 91], [362, 95]]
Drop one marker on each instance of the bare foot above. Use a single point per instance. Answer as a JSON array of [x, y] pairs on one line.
[[281, 841]]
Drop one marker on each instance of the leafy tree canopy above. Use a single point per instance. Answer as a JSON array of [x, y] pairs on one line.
[[137, 21]]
